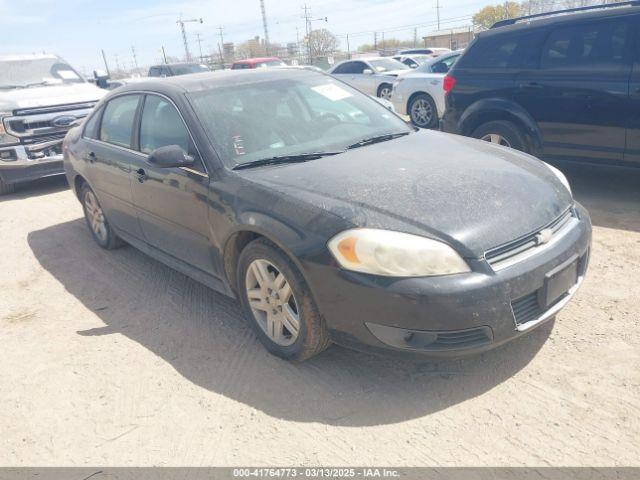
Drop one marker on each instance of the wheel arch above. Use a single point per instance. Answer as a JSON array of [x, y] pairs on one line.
[[267, 228], [489, 110], [382, 84]]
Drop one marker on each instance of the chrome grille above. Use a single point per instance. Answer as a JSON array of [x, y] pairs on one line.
[[28, 124], [509, 253]]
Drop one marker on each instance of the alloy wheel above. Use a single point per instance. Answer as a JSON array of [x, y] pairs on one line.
[[497, 139], [385, 93], [422, 112], [95, 215], [272, 302]]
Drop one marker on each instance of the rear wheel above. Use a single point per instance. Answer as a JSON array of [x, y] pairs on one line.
[[423, 111], [100, 229], [278, 303], [384, 91], [504, 133], [6, 188]]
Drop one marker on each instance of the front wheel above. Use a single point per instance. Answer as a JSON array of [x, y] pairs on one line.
[[6, 188], [100, 229], [384, 91], [504, 133], [278, 303]]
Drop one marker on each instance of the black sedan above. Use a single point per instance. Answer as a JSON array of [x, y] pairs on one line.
[[327, 216]]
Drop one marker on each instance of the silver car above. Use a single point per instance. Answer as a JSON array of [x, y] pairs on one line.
[[373, 76]]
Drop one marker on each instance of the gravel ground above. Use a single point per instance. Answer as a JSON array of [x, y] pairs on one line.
[[111, 358]]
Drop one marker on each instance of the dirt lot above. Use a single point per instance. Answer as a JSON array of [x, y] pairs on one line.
[[111, 358]]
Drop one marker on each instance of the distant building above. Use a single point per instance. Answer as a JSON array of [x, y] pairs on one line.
[[454, 39]]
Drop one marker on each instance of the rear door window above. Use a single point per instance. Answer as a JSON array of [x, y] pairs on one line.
[[161, 126], [504, 51], [117, 121], [595, 46]]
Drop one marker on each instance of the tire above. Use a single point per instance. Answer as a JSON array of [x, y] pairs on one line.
[[503, 133], [312, 336], [105, 236], [6, 188], [423, 111], [384, 91]]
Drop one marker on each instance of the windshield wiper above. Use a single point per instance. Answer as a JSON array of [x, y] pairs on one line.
[[377, 139], [281, 159]]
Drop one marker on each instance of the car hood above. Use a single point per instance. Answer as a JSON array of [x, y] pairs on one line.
[[47, 96], [470, 194]]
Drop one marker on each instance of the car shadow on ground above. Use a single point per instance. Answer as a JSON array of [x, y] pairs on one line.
[[612, 195], [203, 336], [37, 188]]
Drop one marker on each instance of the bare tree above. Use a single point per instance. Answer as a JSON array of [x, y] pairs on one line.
[[322, 43]]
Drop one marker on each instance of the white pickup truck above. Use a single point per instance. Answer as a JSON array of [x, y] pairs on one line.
[[41, 98]]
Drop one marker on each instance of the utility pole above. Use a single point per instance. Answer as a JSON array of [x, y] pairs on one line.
[[307, 23], [199, 40], [383, 43], [181, 22], [375, 41], [164, 55], [135, 58], [220, 32], [348, 48], [415, 37], [438, 12], [266, 28], [117, 62], [106, 65]]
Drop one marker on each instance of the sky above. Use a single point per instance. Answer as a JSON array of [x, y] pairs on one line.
[[77, 30]]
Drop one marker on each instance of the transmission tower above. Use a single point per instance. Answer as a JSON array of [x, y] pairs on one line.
[[264, 24], [181, 22]]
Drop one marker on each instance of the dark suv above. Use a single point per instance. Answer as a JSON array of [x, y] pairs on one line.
[[563, 87]]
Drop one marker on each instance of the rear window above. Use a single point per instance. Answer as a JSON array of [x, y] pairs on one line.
[[503, 51]]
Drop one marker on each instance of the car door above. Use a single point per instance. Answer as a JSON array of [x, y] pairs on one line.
[[108, 152], [353, 74], [171, 203], [632, 152], [580, 92]]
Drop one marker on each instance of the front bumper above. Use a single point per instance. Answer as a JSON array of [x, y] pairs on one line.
[[31, 162], [451, 315]]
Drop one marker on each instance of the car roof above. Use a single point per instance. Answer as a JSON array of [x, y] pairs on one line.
[[561, 18], [210, 80], [257, 60], [177, 64]]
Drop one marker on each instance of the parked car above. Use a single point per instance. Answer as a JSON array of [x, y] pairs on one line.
[[413, 61], [262, 62], [41, 96], [420, 94], [327, 216], [373, 76], [561, 86], [176, 69], [433, 51]]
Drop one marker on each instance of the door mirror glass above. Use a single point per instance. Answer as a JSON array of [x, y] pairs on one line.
[[170, 157], [367, 71]]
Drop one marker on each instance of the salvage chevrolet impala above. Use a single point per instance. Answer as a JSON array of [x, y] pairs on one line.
[[326, 215]]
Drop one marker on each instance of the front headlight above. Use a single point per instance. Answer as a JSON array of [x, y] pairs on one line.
[[394, 254], [560, 176], [5, 138]]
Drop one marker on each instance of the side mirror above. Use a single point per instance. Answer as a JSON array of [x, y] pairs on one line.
[[170, 157], [367, 71], [413, 65]]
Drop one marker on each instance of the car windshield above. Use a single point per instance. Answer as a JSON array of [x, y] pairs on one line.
[[287, 117], [387, 65], [29, 72], [187, 69]]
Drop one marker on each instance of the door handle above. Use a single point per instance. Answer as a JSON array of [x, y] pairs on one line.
[[91, 157], [142, 175]]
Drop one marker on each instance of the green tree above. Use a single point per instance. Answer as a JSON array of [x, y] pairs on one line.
[[494, 13], [322, 43]]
